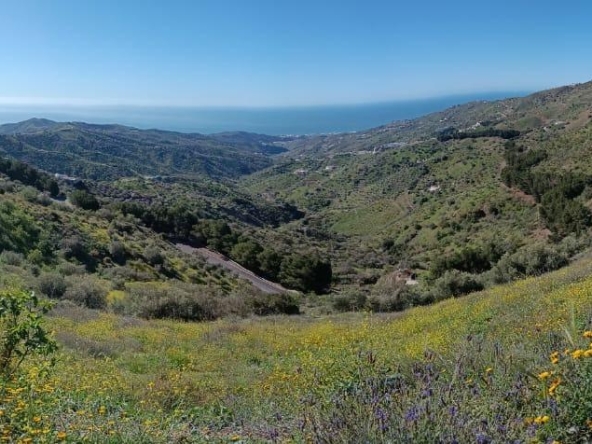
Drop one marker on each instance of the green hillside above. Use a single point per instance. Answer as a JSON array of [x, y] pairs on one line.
[[493, 190], [104, 152], [452, 202], [108, 276], [511, 364]]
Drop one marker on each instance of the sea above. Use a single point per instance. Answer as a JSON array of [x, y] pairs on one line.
[[272, 121]]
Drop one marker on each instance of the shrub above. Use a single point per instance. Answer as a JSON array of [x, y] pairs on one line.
[[246, 253], [402, 298], [350, 301], [52, 285], [306, 273], [74, 247], [183, 302], [11, 258], [69, 269], [153, 255], [84, 200], [530, 260], [22, 333], [117, 252], [127, 273], [455, 283], [86, 291], [262, 304], [35, 257]]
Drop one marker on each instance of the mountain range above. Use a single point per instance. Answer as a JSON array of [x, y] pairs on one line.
[[407, 213]]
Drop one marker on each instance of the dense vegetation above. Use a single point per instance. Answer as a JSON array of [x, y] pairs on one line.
[[104, 152], [378, 221], [556, 192], [22, 172], [354, 215], [454, 134]]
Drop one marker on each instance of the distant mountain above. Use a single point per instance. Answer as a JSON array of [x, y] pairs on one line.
[[30, 126], [106, 152], [534, 112]]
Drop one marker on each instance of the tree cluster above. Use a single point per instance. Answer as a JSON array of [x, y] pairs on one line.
[[556, 193], [22, 172], [455, 134], [302, 271]]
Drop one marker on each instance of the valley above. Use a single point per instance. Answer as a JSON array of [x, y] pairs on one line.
[[407, 282]]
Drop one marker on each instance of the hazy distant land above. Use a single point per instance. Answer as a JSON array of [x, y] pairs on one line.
[[273, 121]]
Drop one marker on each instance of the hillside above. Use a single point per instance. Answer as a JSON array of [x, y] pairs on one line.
[[454, 203], [506, 365], [457, 193], [105, 152], [546, 108], [396, 216]]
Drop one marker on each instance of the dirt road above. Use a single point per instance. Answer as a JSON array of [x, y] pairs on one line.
[[218, 259]]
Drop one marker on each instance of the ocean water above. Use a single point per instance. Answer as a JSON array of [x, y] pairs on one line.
[[273, 121]]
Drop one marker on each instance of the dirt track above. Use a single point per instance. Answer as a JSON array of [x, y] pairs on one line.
[[218, 259]]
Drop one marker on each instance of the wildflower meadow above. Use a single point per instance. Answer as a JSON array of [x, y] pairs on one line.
[[511, 364]]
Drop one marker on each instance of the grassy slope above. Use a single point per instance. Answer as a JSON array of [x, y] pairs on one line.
[[165, 381], [19, 215], [104, 152], [365, 198]]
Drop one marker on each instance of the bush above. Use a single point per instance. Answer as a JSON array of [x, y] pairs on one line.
[[530, 260], [69, 269], [455, 283], [83, 199], [350, 301], [22, 332], [74, 247], [11, 258], [182, 302], [269, 304], [52, 285], [127, 273], [401, 299], [86, 291], [117, 252], [153, 255], [306, 273]]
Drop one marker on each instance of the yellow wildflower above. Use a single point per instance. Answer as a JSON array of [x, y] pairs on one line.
[[577, 354], [553, 386], [62, 435], [542, 419], [488, 370], [587, 334], [545, 375]]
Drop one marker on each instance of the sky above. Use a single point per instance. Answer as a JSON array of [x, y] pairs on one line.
[[269, 53]]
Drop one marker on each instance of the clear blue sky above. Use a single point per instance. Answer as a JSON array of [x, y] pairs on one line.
[[276, 52]]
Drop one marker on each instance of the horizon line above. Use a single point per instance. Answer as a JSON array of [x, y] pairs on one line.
[[44, 102]]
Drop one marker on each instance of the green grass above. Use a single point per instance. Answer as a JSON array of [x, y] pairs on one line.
[[163, 381]]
